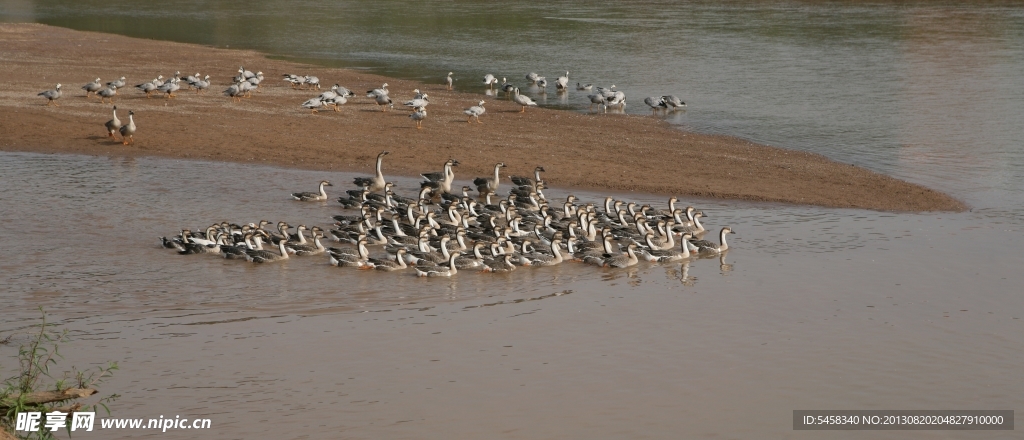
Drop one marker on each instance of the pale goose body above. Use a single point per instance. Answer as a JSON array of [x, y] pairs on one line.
[[522, 100], [475, 111], [52, 95]]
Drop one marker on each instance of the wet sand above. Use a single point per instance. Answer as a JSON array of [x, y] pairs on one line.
[[595, 151]]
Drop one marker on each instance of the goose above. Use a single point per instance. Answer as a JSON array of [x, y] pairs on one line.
[[265, 256], [383, 90], [542, 82], [475, 112], [92, 87], [313, 104], [202, 248], [113, 125], [507, 87], [384, 101], [313, 196], [170, 87], [245, 74], [532, 77], [655, 103], [107, 93], [422, 101], [548, 260], [377, 182], [418, 116], [148, 87], [448, 80], [313, 82], [562, 83], [202, 84], [51, 95], [584, 87], [490, 81], [128, 130], [522, 100], [237, 252], [336, 102], [295, 80], [487, 185], [626, 259], [191, 79], [390, 264], [359, 259], [707, 246], [441, 180], [118, 83], [246, 88], [500, 264], [674, 102], [235, 92], [618, 98], [526, 181], [665, 256], [607, 92], [316, 248], [598, 99], [256, 80], [440, 271]]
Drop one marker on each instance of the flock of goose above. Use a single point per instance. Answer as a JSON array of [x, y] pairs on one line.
[[444, 230], [246, 82]]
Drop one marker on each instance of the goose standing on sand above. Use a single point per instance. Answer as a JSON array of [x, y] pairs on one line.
[[475, 112], [107, 93], [421, 101], [51, 95], [489, 185], [313, 104], [234, 91], [384, 101], [313, 196], [562, 83], [202, 84], [128, 130], [709, 247], [113, 125], [448, 80], [673, 102], [522, 100], [383, 90], [92, 87], [336, 102], [490, 81], [148, 87], [418, 116], [170, 87], [375, 183], [118, 83]]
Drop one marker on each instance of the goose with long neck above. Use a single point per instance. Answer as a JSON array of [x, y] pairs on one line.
[[475, 111], [526, 181], [440, 271], [359, 259], [548, 260], [707, 246], [264, 256], [626, 259], [390, 264], [486, 185], [448, 80], [670, 255], [377, 182], [523, 100], [113, 125], [128, 130], [309, 249], [313, 196]]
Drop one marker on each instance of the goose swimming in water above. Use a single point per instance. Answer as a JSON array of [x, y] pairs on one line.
[[377, 182], [128, 130], [92, 87], [522, 100], [390, 264], [707, 246], [113, 125], [475, 112], [51, 95], [440, 271], [234, 91], [313, 196]]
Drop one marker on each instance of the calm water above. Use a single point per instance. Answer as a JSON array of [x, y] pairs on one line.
[[812, 308], [926, 91]]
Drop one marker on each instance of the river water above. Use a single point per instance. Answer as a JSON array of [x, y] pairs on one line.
[[812, 308]]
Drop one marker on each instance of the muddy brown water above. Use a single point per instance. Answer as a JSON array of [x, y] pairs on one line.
[[811, 309]]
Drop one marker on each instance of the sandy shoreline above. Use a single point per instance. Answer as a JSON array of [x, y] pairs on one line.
[[594, 151]]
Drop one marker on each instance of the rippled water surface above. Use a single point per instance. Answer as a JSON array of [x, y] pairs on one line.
[[928, 91], [811, 308]]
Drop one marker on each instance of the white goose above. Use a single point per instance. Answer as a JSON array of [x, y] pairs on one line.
[[707, 246], [522, 100], [562, 83], [475, 112], [377, 182], [313, 196], [52, 95], [113, 125], [448, 80]]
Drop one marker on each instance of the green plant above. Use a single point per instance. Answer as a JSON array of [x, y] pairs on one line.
[[29, 390]]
